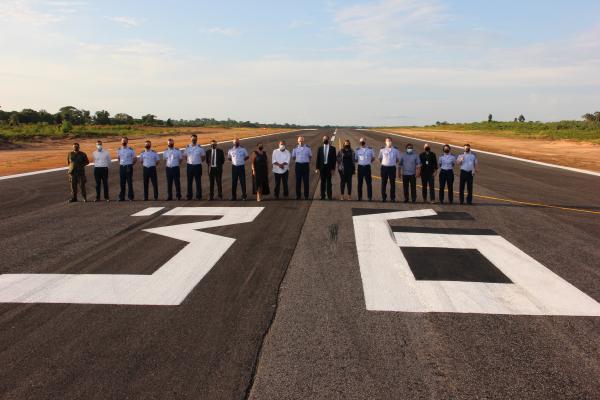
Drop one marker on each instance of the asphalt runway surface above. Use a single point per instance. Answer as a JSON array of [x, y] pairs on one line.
[[284, 312]]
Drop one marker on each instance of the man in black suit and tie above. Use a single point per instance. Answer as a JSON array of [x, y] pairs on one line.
[[326, 159], [215, 158]]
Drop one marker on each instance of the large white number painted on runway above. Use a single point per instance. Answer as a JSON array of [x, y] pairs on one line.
[[389, 284], [168, 286]]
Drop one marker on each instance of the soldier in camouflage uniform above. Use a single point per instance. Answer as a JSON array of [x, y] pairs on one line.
[[77, 160]]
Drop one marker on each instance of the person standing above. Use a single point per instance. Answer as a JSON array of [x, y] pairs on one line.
[[429, 168], [468, 167], [149, 159], [365, 157], [326, 159], [127, 159], [346, 168], [77, 160], [215, 158], [389, 156], [101, 164], [446, 164], [260, 172], [302, 155], [238, 157], [411, 165], [281, 168], [195, 155], [173, 157]]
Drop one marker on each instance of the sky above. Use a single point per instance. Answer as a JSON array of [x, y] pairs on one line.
[[373, 63]]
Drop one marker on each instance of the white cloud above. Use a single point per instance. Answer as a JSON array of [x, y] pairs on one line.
[[25, 12], [299, 23], [223, 31], [127, 22]]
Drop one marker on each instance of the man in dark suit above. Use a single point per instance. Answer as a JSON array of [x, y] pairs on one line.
[[215, 158], [326, 159]]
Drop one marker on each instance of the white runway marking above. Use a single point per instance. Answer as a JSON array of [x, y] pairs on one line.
[[148, 211], [168, 286], [578, 170], [389, 284]]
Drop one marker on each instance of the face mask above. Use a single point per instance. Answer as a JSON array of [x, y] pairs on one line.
[[99, 147], [347, 146], [325, 141], [260, 148], [446, 151], [363, 144], [282, 147], [171, 145], [427, 149], [409, 151], [124, 144], [214, 146], [147, 147], [467, 149], [194, 142]]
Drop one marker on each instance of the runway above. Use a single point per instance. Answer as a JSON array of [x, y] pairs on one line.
[[312, 299]]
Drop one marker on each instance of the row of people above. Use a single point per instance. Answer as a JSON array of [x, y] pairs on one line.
[[348, 162]]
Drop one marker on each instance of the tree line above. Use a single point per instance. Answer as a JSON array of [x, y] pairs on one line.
[[68, 116]]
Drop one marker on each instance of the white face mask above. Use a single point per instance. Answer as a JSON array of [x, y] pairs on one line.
[[99, 147], [282, 147]]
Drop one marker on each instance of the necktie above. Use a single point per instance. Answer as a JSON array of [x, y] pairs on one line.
[[214, 158]]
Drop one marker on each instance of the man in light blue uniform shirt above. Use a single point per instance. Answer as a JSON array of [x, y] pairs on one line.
[[468, 168], [389, 157], [195, 155], [173, 157], [126, 157], [411, 165], [238, 157], [364, 156], [149, 159], [302, 154], [446, 163]]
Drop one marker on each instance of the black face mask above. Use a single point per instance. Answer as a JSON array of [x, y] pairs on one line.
[[325, 141], [427, 149], [446, 151], [260, 148], [214, 146], [171, 146], [347, 147], [363, 143], [147, 147]]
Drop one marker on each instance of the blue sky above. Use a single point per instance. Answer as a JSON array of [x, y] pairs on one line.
[[383, 62]]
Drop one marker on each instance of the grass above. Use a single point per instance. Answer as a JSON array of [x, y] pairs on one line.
[[563, 130], [33, 132]]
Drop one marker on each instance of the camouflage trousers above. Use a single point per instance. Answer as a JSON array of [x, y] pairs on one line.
[[74, 180]]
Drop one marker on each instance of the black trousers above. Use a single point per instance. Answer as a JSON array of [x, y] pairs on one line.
[[345, 182], [388, 174], [302, 177], [149, 174], [279, 178], [238, 173], [194, 174], [409, 180], [447, 179], [215, 175], [466, 178], [126, 177], [428, 181], [364, 174], [325, 174], [173, 177], [101, 177]]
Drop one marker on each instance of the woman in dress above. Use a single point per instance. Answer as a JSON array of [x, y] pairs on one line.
[[260, 172], [346, 168]]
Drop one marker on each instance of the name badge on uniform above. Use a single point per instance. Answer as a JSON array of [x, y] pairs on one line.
[[427, 162]]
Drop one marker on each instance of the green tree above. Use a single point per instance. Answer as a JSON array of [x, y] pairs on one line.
[[13, 120], [169, 122], [521, 118], [66, 126], [72, 114], [122, 118], [490, 118], [149, 119], [102, 117]]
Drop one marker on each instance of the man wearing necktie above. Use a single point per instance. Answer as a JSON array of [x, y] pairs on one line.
[[326, 159], [215, 158]]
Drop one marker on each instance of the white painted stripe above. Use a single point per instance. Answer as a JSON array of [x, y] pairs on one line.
[[45, 171], [148, 211], [578, 170], [389, 284], [167, 286]]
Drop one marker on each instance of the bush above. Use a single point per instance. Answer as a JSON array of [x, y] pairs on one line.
[[66, 127]]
